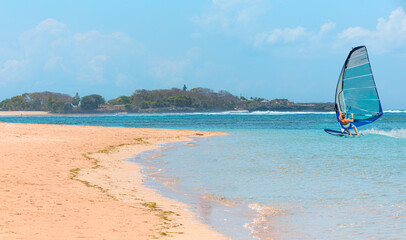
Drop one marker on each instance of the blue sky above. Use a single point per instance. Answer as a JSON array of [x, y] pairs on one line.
[[263, 48]]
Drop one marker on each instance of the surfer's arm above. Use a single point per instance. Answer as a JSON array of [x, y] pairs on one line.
[[352, 117]]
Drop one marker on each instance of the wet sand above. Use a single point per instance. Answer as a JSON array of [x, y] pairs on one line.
[[70, 182]]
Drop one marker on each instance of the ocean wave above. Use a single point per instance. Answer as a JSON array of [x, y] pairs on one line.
[[286, 113], [225, 113], [394, 133], [247, 113], [260, 227], [394, 111], [205, 113], [265, 209]]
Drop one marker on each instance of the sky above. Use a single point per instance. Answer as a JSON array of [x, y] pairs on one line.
[[251, 48]]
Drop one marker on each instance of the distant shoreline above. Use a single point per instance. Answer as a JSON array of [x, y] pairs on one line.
[[23, 113], [242, 111], [41, 113], [154, 101]]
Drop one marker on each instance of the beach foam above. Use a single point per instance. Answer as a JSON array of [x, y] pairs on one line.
[[260, 226]]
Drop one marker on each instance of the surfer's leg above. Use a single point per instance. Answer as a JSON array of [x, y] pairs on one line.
[[348, 131], [356, 130]]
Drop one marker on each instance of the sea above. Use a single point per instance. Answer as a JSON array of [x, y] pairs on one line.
[[276, 175]]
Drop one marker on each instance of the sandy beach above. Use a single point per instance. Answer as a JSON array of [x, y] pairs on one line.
[[23, 113], [70, 182]]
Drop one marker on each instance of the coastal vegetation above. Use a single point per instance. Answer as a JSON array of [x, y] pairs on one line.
[[153, 101]]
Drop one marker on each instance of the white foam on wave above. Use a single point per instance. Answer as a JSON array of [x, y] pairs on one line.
[[395, 133], [394, 111], [227, 113], [211, 113], [259, 226], [286, 113]]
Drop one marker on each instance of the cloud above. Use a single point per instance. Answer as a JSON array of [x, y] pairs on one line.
[[95, 35], [387, 35], [52, 48], [174, 69], [249, 14], [51, 26], [224, 14], [11, 70], [327, 27], [46, 35], [289, 35], [97, 61], [122, 80], [93, 71], [286, 35], [53, 63], [50, 52]]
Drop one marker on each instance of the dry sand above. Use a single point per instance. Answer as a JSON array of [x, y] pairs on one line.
[[22, 113], [70, 182]]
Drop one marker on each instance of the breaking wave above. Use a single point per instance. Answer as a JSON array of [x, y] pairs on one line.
[[260, 226], [395, 133], [394, 111]]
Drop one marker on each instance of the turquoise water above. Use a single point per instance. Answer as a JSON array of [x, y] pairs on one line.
[[298, 181]]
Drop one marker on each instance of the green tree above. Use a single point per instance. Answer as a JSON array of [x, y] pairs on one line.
[[6, 105], [91, 102], [184, 87], [76, 100], [124, 100]]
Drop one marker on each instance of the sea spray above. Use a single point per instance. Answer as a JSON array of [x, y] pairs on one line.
[[394, 133]]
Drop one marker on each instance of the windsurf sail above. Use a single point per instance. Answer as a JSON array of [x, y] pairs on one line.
[[356, 91]]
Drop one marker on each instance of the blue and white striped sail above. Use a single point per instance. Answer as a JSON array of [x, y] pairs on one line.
[[356, 90]]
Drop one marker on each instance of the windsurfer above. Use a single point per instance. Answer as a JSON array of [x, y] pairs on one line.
[[347, 123]]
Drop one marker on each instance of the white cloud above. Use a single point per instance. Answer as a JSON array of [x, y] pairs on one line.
[[95, 35], [387, 35], [164, 68], [11, 70], [50, 25], [93, 71], [327, 27], [249, 14], [286, 35], [122, 80], [354, 33], [289, 35], [97, 61], [50, 46], [231, 13], [44, 36], [173, 70], [53, 63]]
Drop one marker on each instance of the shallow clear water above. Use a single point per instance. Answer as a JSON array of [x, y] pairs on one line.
[[308, 184]]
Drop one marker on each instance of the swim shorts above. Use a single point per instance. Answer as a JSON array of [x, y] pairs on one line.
[[347, 125]]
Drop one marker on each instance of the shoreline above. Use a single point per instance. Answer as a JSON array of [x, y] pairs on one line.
[[78, 184], [228, 216]]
